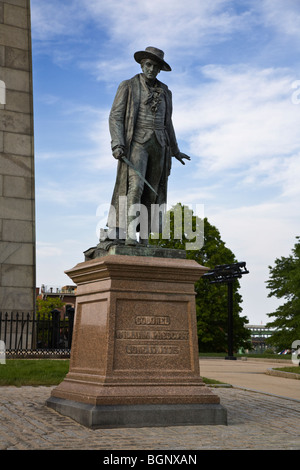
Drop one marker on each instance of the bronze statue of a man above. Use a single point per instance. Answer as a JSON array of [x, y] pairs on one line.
[[143, 140]]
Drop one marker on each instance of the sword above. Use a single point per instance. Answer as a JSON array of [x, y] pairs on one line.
[[125, 160]]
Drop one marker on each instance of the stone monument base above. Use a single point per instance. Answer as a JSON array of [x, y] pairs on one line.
[[134, 358], [137, 416]]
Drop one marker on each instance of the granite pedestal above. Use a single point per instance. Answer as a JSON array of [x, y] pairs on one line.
[[134, 359]]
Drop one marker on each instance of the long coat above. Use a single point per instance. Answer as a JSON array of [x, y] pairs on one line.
[[122, 120]]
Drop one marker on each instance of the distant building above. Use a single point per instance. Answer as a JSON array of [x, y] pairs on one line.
[[66, 293], [259, 335]]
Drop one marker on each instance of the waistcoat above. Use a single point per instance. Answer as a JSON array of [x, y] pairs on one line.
[[151, 114]]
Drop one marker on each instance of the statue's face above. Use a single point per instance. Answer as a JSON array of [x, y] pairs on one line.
[[150, 68]]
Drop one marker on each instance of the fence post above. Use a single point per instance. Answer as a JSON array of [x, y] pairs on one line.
[[27, 333], [55, 328]]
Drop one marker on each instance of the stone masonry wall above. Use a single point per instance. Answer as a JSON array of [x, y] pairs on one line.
[[17, 200]]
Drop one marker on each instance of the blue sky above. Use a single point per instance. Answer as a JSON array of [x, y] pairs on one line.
[[236, 90]]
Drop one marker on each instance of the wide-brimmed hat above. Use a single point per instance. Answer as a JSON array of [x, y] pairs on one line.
[[154, 54]]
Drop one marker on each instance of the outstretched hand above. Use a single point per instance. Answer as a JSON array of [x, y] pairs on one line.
[[180, 156], [118, 153]]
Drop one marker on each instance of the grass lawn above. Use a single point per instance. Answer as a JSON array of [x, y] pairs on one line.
[[34, 372], [294, 369]]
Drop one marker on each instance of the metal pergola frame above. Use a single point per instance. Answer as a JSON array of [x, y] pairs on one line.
[[228, 273]]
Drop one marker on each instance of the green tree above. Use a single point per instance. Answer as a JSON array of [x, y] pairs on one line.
[[284, 283], [211, 299], [44, 332], [45, 306]]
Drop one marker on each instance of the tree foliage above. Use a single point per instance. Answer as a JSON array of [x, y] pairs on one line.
[[211, 299], [45, 306], [284, 283]]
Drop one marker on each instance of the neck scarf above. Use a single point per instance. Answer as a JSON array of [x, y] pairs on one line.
[[154, 94]]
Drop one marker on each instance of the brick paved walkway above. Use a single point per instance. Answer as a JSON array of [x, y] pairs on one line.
[[255, 421]]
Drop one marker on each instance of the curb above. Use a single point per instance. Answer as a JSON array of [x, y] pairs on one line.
[[281, 373], [250, 359], [239, 387], [219, 385]]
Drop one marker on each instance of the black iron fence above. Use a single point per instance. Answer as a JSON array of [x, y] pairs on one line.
[[35, 334]]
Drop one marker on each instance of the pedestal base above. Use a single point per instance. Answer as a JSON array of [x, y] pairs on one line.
[[117, 416], [106, 249], [134, 358]]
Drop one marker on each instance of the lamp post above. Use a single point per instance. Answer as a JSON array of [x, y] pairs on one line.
[[228, 273]]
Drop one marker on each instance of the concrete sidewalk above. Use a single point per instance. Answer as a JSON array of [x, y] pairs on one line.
[[251, 374]]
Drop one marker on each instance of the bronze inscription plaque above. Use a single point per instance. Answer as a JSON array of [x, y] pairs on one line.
[[146, 338]]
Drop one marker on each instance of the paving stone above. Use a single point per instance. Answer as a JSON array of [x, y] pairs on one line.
[[255, 421]]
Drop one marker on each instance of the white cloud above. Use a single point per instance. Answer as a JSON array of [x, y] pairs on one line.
[[65, 195], [53, 259], [91, 138], [54, 19], [241, 117], [283, 16], [45, 250], [171, 25], [262, 230], [258, 234], [183, 31]]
